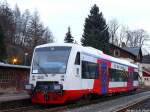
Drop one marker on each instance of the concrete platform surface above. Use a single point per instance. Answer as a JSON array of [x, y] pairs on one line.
[[13, 96]]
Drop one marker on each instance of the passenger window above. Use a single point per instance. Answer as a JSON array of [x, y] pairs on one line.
[[118, 75], [77, 60], [89, 70]]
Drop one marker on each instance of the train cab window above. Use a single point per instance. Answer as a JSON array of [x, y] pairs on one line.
[[89, 70], [77, 60]]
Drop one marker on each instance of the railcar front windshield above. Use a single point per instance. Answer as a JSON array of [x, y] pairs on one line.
[[50, 60]]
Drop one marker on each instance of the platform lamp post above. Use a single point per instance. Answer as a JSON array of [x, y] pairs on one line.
[[25, 58], [15, 60]]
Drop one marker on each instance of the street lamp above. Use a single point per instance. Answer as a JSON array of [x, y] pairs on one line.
[[25, 58], [15, 60]]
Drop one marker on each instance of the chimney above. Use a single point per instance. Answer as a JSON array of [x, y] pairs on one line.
[[123, 44]]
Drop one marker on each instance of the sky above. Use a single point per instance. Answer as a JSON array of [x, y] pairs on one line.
[[59, 14]]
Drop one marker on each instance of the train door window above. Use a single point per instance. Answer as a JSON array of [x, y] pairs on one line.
[[77, 60], [135, 76], [131, 75]]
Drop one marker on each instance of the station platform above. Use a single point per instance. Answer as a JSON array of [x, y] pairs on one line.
[[13, 96]]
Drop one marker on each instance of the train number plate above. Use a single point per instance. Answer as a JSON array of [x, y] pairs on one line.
[[40, 77]]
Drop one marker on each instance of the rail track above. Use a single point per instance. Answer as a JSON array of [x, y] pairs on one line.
[[139, 106], [40, 108], [58, 108]]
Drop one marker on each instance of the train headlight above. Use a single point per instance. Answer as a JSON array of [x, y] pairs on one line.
[[62, 78], [28, 86], [57, 87]]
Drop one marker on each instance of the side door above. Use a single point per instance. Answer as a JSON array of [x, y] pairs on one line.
[[130, 78], [103, 78]]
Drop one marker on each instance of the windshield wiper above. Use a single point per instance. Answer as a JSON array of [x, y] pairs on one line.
[[43, 71]]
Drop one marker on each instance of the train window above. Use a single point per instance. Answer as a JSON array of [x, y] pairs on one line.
[[77, 60], [135, 76], [89, 70], [51, 60], [118, 75], [112, 73]]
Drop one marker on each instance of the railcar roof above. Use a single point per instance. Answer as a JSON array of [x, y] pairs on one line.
[[57, 44], [121, 61], [92, 51]]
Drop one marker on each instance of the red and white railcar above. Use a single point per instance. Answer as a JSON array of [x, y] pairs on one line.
[[65, 72]]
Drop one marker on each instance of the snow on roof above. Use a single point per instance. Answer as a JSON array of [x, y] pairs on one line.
[[134, 50], [57, 44], [14, 66]]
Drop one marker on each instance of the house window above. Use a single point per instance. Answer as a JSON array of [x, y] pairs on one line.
[[146, 79], [130, 56], [116, 53]]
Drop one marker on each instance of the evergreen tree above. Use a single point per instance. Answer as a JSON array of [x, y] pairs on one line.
[[96, 31], [2, 46], [68, 37]]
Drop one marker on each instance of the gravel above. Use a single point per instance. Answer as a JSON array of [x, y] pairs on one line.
[[113, 105]]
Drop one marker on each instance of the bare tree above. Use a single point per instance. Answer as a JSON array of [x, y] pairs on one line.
[[113, 28], [25, 18], [141, 36], [122, 35], [38, 34], [35, 30], [47, 36], [133, 38]]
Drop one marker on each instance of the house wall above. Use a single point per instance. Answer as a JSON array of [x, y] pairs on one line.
[[13, 79], [146, 66], [146, 81], [146, 78], [121, 53]]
